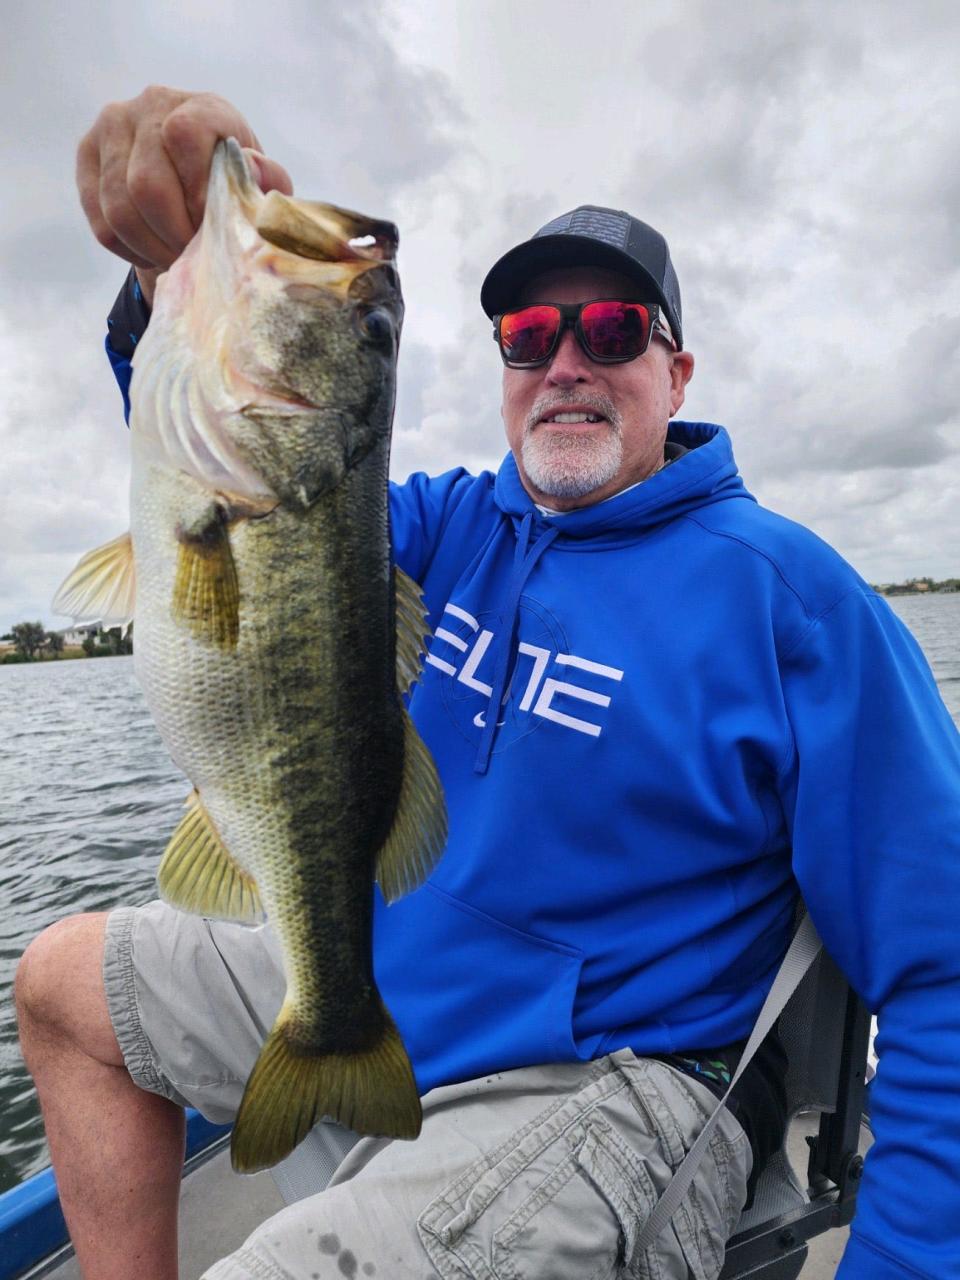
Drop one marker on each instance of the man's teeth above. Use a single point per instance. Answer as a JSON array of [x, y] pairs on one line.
[[574, 417]]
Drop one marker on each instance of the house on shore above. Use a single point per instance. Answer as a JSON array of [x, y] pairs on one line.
[[81, 630]]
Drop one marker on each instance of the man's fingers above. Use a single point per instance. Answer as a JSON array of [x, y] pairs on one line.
[[122, 215], [190, 134], [156, 194], [91, 187], [142, 170]]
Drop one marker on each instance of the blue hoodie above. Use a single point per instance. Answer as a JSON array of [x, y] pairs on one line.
[[699, 707]]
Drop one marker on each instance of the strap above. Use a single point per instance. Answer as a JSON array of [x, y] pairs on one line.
[[801, 953]]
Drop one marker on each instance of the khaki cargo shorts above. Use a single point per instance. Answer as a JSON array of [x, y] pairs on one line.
[[541, 1173]]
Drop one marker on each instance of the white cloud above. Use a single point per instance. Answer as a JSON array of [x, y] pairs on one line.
[[800, 161]]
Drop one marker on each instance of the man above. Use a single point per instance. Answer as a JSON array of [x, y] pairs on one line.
[[657, 709]]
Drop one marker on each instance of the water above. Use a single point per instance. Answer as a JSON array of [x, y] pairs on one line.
[[935, 621], [89, 798]]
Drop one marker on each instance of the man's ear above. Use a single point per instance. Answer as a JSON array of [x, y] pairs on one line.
[[681, 371]]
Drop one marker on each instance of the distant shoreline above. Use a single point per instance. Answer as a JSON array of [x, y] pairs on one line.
[[918, 587], [71, 654]]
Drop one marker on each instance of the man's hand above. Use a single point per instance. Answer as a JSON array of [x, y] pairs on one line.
[[142, 173]]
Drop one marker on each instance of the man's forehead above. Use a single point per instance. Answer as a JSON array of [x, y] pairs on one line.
[[596, 282]]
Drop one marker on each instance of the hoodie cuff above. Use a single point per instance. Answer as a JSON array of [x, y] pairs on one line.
[[128, 318]]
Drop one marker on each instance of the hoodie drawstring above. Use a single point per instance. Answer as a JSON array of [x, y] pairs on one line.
[[523, 563]]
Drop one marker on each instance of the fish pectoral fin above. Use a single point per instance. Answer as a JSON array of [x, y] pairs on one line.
[[372, 1091], [411, 630], [198, 874], [103, 584], [419, 832], [206, 592]]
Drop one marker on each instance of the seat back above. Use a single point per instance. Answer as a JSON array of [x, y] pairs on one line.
[[825, 1030]]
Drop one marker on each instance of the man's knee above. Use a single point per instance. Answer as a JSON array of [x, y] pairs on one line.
[[59, 989]]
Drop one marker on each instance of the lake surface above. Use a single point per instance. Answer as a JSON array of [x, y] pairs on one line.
[[89, 797]]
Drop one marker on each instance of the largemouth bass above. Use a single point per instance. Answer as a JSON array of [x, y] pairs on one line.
[[274, 639]]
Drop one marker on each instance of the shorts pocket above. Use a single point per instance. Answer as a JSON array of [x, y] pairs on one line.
[[622, 1179], [567, 1196], [525, 1212], [677, 1108]]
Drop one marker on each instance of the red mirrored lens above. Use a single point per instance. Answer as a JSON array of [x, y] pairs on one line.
[[615, 330], [527, 336]]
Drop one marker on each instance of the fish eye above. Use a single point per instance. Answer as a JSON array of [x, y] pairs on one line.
[[377, 325]]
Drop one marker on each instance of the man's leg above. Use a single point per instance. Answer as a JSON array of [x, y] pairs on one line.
[[116, 1149]]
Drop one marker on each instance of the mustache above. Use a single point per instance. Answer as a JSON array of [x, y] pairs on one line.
[[555, 401]]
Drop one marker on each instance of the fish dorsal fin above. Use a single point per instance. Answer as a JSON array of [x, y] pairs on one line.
[[198, 875], [206, 592], [103, 584], [419, 831], [411, 629]]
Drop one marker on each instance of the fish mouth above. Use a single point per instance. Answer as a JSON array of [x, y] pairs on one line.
[[325, 232], [315, 246]]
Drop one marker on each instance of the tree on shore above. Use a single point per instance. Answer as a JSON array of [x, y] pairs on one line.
[[118, 642], [54, 643], [28, 637]]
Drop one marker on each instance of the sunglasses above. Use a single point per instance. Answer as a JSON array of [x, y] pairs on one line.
[[609, 331]]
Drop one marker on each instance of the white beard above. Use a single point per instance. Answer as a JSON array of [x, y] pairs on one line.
[[571, 464]]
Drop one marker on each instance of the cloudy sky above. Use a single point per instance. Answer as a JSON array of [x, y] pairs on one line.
[[799, 157]]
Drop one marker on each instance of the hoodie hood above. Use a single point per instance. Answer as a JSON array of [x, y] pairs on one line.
[[706, 473]]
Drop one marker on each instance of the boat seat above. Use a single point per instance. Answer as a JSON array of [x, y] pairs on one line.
[[310, 1166]]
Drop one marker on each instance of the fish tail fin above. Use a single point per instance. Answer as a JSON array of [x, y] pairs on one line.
[[288, 1092]]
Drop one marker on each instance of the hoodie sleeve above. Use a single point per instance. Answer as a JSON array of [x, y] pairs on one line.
[[126, 325], [872, 794], [420, 510]]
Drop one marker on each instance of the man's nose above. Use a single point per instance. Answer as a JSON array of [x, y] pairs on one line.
[[570, 363]]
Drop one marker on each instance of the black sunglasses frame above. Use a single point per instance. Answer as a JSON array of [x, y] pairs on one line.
[[570, 319]]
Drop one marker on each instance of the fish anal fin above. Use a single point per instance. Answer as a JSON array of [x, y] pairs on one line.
[[411, 629], [372, 1092], [419, 832], [206, 592], [198, 875], [103, 584]]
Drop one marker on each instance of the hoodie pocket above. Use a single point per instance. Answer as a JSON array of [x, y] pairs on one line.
[[487, 996]]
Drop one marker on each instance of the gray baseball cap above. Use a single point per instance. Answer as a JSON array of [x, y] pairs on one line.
[[589, 236]]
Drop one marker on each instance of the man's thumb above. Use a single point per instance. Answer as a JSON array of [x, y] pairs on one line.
[[270, 175]]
